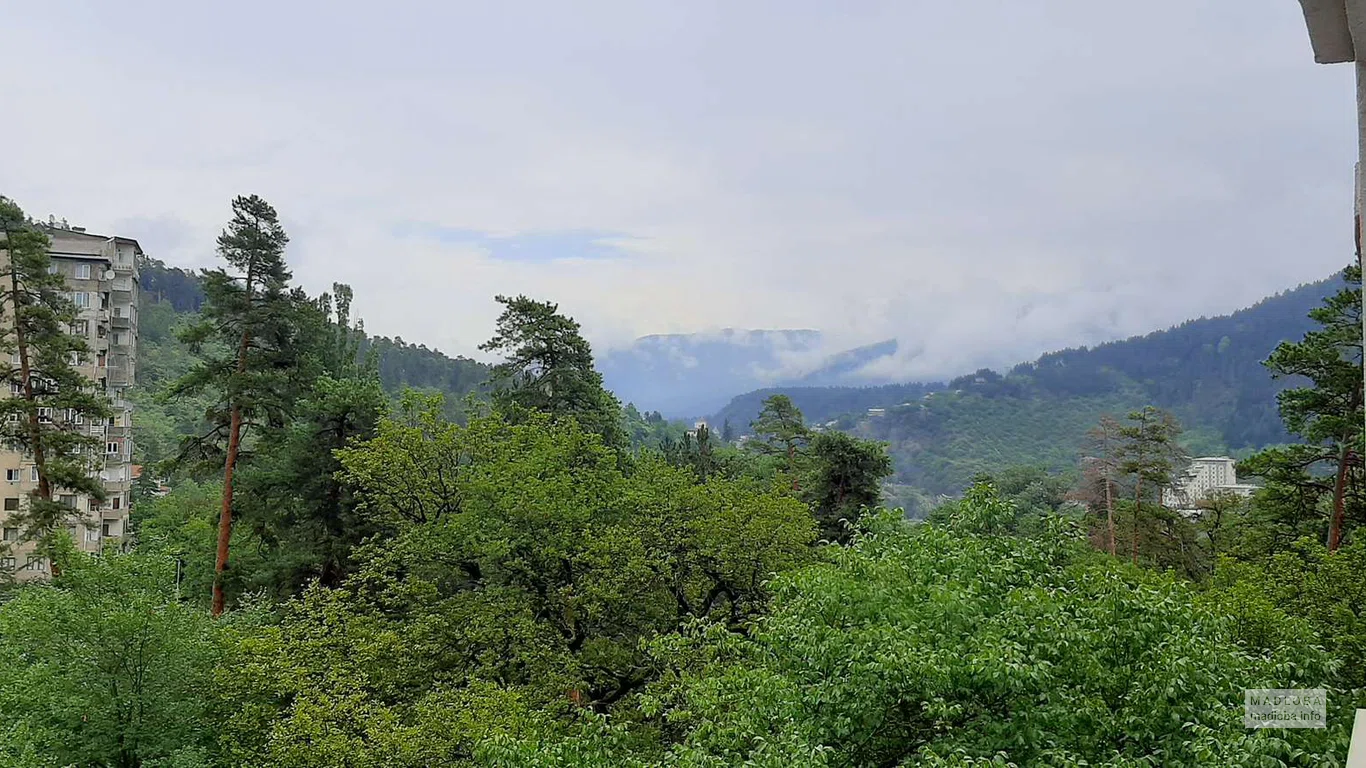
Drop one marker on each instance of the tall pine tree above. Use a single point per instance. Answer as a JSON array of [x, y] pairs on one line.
[[548, 367], [247, 338], [1327, 414], [1150, 455], [780, 430]]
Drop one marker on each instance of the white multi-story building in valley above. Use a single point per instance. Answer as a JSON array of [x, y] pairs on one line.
[[102, 275], [1204, 477]]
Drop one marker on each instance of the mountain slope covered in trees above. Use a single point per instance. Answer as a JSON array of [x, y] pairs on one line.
[[1207, 371], [171, 296]]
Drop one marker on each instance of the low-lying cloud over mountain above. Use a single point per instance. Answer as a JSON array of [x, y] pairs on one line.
[[685, 375]]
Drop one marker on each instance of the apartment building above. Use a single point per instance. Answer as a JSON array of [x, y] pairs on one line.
[[1204, 477], [102, 275]]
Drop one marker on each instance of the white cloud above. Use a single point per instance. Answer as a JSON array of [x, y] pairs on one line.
[[983, 186]]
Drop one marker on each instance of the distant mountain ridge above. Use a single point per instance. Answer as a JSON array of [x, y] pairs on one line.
[[687, 375], [1207, 371]]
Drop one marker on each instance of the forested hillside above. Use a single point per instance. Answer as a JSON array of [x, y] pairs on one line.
[[1208, 372], [169, 298]]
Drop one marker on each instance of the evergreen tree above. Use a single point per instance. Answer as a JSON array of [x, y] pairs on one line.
[[1150, 455], [1327, 413], [846, 478], [727, 432], [780, 430], [548, 367], [1099, 471], [308, 520], [246, 334], [51, 402], [706, 458]]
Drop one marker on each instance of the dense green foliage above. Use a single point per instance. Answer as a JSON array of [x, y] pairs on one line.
[[501, 631], [104, 666]]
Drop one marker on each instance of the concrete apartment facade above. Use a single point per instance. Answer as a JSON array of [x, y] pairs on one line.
[[1203, 478], [101, 273]]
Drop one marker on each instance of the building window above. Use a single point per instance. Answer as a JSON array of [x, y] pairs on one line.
[[44, 415], [80, 328], [81, 299], [108, 528], [12, 475], [93, 504], [7, 563], [11, 534], [11, 503], [33, 473], [12, 418], [67, 500], [15, 388], [116, 501], [36, 564], [52, 269], [111, 448], [82, 271]]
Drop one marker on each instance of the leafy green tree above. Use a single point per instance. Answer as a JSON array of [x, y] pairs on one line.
[[1306, 581], [1150, 455], [1327, 413], [846, 478], [180, 527], [535, 520], [958, 645], [51, 402], [780, 430], [253, 368], [548, 367], [103, 666]]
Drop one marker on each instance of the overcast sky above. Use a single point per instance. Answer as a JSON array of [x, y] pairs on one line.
[[983, 179]]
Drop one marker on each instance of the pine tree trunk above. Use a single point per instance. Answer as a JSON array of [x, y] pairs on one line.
[[225, 514], [1339, 502], [1138, 506], [220, 562], [1110, 514], [229, 465], [35, 428], [1338, 519]]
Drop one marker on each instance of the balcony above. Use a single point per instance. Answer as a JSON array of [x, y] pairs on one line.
[[120, 322]]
